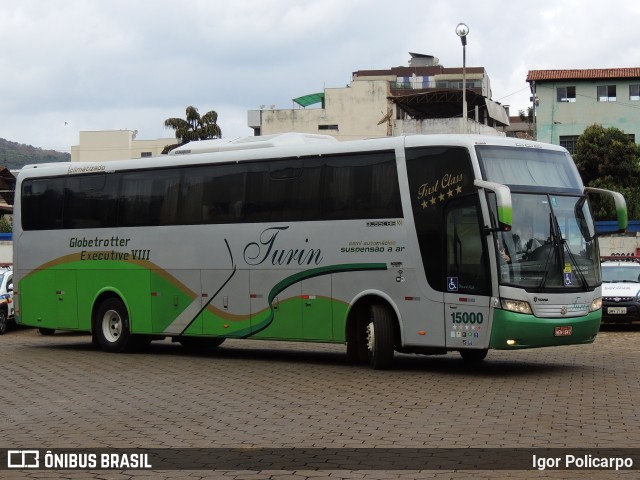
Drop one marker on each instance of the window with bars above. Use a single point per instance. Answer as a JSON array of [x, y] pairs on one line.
[[569, 142]]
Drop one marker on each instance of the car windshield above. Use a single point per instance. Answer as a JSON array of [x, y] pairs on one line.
[[621, 273]]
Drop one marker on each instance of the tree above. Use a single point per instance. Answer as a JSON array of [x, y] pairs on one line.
[[5, 225], [526, 116], [608, 158], [194, 127]]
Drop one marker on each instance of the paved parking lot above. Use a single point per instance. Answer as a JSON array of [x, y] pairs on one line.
[[59, 393]]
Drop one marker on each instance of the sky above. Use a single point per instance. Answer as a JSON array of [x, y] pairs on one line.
[[81, 65]]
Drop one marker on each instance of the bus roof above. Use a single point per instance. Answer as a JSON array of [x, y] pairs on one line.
[[271, 146], [245, 143]]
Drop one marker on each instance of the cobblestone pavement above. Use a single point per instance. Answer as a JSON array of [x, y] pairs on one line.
[[59, 392]]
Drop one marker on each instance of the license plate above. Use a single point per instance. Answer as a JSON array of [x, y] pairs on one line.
[[617, 310], [562, 331]]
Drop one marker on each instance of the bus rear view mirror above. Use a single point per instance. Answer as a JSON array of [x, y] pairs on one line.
[[620, 205], [503, 201]]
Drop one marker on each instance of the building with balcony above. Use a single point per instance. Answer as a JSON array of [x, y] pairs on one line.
[[424, 97], [568, 101]]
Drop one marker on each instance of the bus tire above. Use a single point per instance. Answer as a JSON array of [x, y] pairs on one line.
[[111, 326], [200, 343], [3, 322], [380, 337], [474, 355], [46, 331]]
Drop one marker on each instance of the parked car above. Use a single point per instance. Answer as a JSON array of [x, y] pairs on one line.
[[621, 290], [6, 299]]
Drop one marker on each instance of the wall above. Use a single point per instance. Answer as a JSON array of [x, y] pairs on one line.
[[355, 110], [106, 145], [619, 243], [442, 125], [6, 249]]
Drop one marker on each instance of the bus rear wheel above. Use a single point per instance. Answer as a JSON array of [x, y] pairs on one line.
[[380, 337], [111, 326]]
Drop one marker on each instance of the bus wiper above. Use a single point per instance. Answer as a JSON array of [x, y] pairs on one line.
[[564, 244], [552, 251], [559, 246]]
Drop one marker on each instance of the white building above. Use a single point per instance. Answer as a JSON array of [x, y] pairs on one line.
[[424, 97], [101, 146]]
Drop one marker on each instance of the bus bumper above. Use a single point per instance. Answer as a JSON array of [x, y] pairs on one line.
[[511, 331]]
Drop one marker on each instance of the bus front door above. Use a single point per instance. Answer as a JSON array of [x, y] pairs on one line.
[[468, 286]]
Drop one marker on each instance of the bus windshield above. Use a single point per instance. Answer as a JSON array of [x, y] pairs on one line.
[[529, 167], [552, 244]]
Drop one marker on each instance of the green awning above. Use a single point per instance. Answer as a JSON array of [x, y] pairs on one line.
[[310, 99]]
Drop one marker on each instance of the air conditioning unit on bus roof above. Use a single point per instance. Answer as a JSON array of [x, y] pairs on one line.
[[246, 143]]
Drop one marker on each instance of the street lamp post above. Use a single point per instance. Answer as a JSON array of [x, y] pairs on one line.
[[462, 31]]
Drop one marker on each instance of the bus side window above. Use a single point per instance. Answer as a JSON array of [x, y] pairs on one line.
[[42, 201]]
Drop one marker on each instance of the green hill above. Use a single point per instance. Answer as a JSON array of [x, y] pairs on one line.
[[14, 155]]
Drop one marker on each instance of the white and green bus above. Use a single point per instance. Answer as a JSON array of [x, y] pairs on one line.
[[405, 244]]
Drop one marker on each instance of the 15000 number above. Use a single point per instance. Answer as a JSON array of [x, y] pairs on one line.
[[467, 317]]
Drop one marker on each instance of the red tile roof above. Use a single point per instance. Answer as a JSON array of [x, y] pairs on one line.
[[590, 73]]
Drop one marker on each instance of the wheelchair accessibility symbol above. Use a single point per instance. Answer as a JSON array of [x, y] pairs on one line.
[[568, 279], [452, 284]]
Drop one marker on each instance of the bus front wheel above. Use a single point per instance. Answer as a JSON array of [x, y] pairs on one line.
[[111, 326], [474, 355], [380, 337]]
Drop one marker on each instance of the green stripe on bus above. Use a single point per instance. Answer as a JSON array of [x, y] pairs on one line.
[[298, 277]]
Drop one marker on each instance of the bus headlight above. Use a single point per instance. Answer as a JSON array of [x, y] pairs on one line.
[[596, 304], [517, 306]]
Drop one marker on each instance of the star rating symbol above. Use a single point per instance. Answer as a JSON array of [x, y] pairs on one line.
[[435, 199]]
